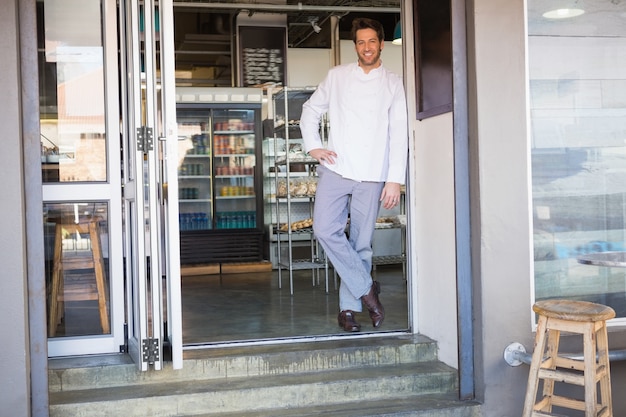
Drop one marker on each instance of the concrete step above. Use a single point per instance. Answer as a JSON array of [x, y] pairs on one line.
[[396, 376], [68, 374], [413, 406], [242, 394]]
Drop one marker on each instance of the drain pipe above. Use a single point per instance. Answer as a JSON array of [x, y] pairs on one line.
[[515, 354]]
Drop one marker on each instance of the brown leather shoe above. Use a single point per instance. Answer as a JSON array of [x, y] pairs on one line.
[[371, 301], [348, 322]]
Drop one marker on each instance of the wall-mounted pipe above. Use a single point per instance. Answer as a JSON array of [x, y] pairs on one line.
[[515, 354]]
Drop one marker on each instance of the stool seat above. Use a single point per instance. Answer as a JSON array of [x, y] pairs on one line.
[[548, 366], [573, 310]]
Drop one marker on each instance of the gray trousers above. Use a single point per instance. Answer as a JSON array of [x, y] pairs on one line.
[[351, 255]]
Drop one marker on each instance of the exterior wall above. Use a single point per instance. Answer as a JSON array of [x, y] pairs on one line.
[[14, 355], [502, 198], [500, 213], [501, 194]]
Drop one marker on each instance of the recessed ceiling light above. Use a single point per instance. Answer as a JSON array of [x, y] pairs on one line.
[[563, 13]]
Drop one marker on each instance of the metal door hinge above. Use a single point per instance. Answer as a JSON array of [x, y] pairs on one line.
[[150, 350], [145, 139]]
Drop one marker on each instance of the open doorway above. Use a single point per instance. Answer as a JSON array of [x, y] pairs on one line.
[[247, 303]]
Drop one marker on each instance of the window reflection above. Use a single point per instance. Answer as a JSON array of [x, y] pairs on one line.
[[77, 268], [577, 73], [72, 106]]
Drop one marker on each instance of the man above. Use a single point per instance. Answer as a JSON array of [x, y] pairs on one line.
[[363, 166]]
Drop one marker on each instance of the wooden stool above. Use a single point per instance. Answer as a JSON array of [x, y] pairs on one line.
[[81, 289], [579, 317]]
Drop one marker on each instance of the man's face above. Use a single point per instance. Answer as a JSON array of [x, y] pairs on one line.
[[368, 48]]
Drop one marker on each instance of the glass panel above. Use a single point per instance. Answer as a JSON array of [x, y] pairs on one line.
[[194, 171], [72, 106], [577, 70], [77, 268], [234, 151]]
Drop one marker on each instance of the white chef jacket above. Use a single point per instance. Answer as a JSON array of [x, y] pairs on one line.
[[368, 123]]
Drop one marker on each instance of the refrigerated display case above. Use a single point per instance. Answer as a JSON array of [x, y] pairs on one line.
[[220, 174]]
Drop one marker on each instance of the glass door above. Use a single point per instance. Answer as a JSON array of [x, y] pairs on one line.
[[195, 192], [235, 161], [81, 182], [150, 199]]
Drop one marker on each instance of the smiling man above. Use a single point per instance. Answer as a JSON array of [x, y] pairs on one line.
[[362, 166]]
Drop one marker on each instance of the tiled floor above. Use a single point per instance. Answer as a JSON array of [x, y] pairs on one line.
[[241, 307], [251, 307]]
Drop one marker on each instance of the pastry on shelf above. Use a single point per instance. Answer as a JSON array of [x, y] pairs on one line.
[[311, 186], [300, 188], [298, 225], [386, 222], [281, 189]]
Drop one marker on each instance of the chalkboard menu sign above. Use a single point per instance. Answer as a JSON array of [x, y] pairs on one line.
[[262, 53]]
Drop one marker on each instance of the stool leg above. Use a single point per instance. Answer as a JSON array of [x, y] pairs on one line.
[[533, 374], [57, 278], [589, 349], [603, 361], [554, 337]]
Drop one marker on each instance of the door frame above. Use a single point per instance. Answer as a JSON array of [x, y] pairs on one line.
[[152, 239], [169, 139], [109, 192]]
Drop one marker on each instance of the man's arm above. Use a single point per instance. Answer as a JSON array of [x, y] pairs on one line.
[[398, 137], [312, 111]]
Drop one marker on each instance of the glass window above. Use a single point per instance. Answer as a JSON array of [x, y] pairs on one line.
[[577, 81], [72, 106], [77, 268]]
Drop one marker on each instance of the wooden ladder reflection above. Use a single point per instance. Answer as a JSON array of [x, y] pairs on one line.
[[82, 287]]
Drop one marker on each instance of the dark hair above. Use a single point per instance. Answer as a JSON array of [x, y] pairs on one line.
[[365, 23]]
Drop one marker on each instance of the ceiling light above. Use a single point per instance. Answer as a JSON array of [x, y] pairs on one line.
[[397, 34], [564, 13], [313, 20]]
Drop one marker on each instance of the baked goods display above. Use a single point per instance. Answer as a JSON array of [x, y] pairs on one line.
[[301, 187], [299, 225]]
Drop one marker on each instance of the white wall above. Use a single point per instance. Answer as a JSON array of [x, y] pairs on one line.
[[434, 234], [307, 66]]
